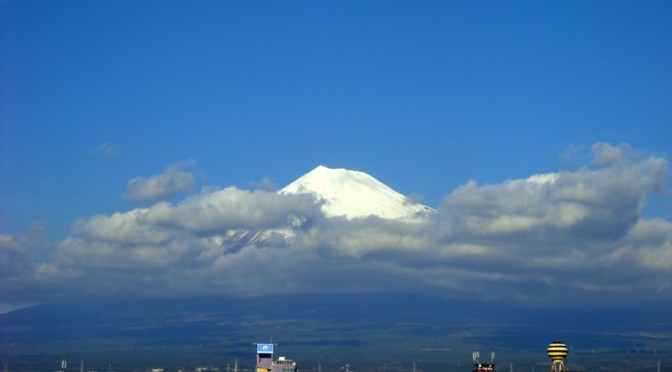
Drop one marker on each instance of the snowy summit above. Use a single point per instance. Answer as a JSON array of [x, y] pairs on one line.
[[343, 193], [353, 194]]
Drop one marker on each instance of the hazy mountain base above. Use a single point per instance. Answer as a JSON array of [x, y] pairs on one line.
[[370, 332]]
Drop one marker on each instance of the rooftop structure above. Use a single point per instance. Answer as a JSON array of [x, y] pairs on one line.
[[265, 362]]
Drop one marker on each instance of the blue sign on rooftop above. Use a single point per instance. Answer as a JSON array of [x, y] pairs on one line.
[[264, 348]]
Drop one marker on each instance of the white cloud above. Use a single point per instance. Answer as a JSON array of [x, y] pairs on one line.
[[22, 257], [577, 232], [230, 208], [606, 154], [122, 228], [650, 243], [161, 186], [105, 150]]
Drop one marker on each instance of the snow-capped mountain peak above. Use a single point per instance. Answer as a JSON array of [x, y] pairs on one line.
[[354, 194], [343, 193]]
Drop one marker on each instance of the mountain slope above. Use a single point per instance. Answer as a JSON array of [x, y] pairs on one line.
[[325, 329], [354, 194]]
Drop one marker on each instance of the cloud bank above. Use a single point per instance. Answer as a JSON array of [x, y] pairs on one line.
[[571, 237]]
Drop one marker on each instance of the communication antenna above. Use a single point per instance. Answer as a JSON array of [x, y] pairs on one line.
[[475, 356], [492, 357]]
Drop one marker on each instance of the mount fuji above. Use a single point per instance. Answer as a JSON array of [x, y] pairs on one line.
[[342, 193], [353, 194]]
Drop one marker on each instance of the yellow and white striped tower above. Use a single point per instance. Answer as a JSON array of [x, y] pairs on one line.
[[557, 351]]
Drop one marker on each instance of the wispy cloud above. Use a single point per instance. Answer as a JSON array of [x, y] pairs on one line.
[[174, 180], [105, 150], [575, 236]]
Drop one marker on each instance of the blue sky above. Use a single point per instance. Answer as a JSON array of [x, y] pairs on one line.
[[423, 96]]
